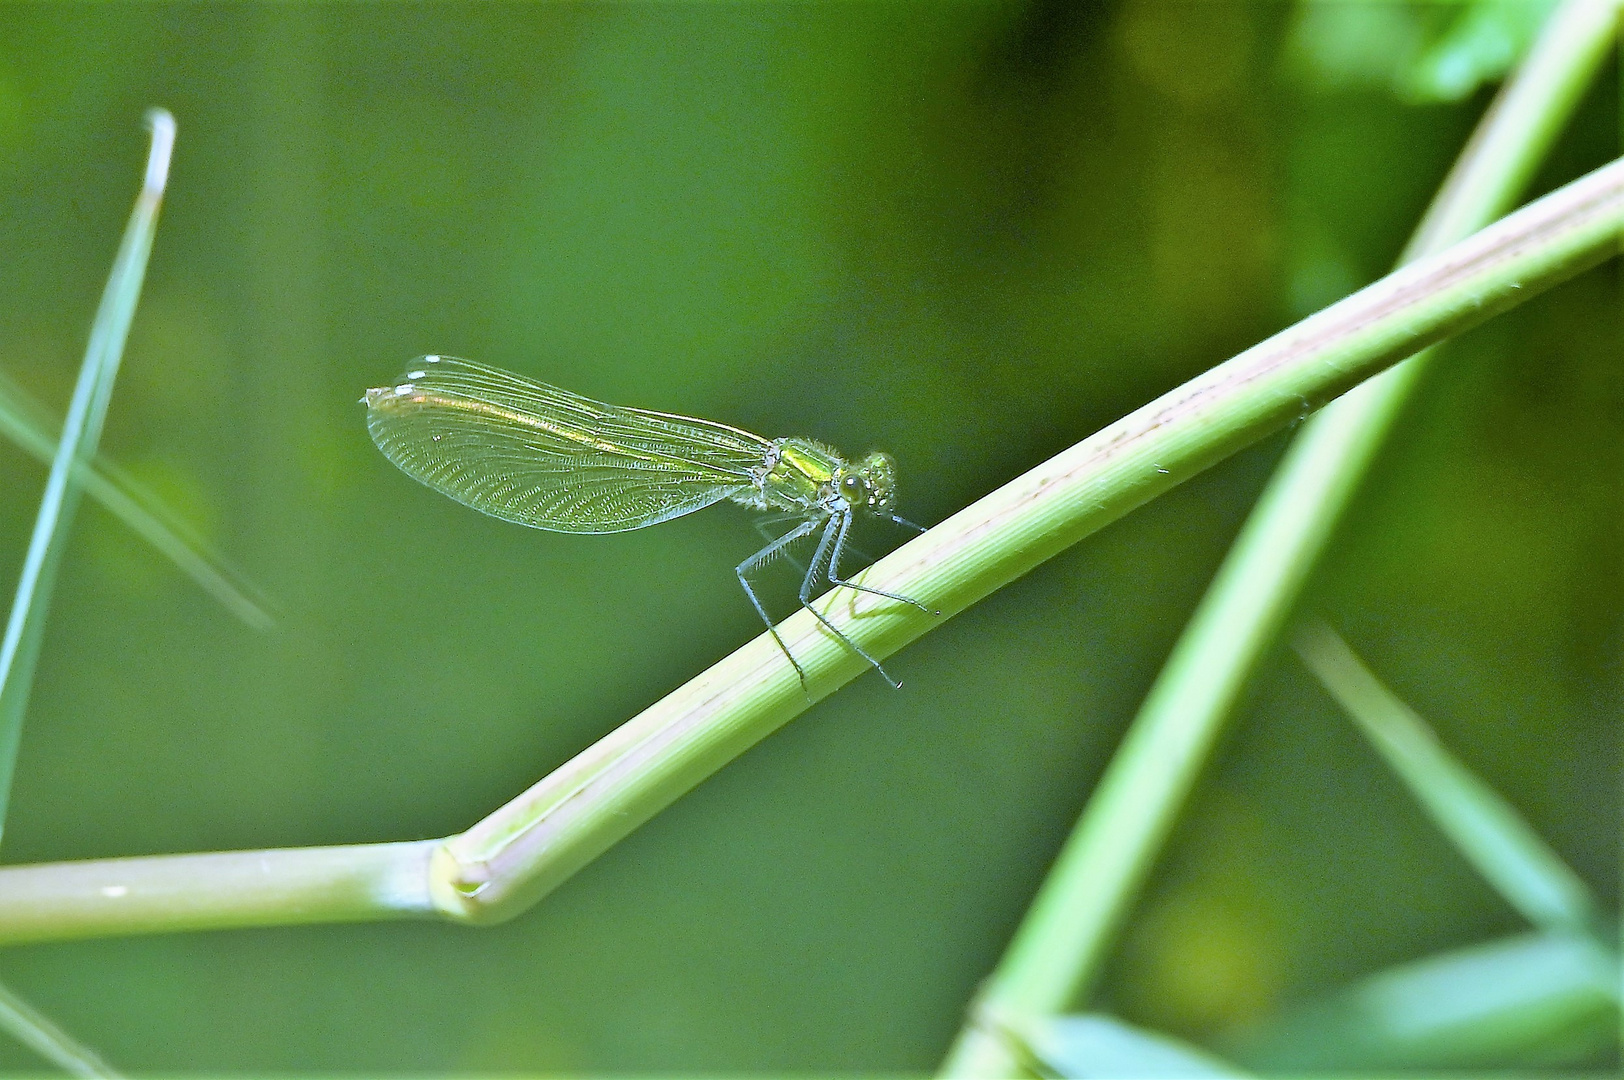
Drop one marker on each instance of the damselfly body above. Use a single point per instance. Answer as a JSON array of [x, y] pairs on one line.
[[534, 454]]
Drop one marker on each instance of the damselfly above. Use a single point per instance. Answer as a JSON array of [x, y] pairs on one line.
[[531, 453]]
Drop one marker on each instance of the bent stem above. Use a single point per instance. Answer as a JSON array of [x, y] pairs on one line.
[[524, 849], [529, 846]]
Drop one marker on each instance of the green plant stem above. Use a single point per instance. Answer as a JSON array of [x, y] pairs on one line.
[[495, 869], [1065, 937], [215, 891], [81, 430]]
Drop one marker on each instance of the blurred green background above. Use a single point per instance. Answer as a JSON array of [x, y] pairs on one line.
[[969, 234]]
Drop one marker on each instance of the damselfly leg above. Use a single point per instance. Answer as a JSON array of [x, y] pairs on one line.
[[837, 525], [825, 561], [834, 568], [764, 526], [761, 558]]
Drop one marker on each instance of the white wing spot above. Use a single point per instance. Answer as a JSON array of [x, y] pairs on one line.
[[431, 359], [416, 374], [114, 892], [404, 388]]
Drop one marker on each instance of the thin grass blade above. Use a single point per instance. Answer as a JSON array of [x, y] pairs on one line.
[[81, 431], [24, 422], [39, 1033], [1481, 824]]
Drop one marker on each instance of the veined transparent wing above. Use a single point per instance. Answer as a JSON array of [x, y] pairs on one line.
[[534, 454]]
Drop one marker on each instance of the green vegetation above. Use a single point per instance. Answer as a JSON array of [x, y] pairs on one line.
[[973, 235]]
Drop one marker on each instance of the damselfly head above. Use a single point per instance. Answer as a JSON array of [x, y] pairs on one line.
[[869, 485]]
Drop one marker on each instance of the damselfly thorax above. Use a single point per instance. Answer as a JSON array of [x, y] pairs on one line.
[[803, 475]]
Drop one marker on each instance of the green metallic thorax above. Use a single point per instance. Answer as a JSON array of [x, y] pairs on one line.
[[805, 477], [801, 478]]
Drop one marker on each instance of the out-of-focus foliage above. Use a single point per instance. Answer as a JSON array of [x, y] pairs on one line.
[[1421, 52], [967, 233], [1093, 1045], [1536, 1000]]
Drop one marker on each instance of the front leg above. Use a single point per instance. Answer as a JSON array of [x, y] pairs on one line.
[[827, 547], [836, 579]]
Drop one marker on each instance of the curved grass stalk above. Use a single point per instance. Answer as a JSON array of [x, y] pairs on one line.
[[504, 863], [1060, 946], [529, 846]]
